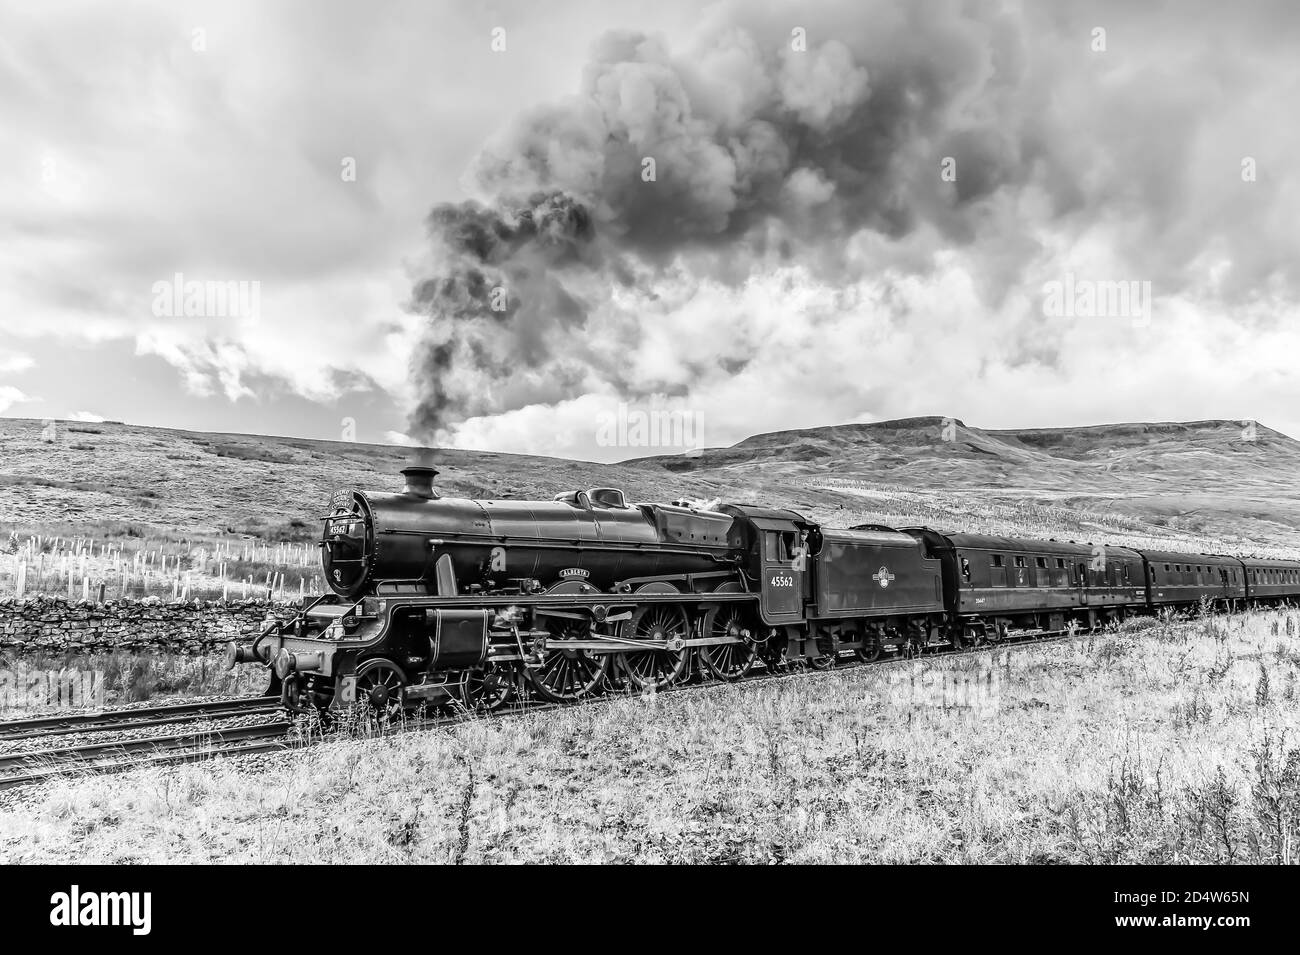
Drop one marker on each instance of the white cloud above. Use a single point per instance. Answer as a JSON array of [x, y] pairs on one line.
[[12, 361], [87, 416], [10, 396]]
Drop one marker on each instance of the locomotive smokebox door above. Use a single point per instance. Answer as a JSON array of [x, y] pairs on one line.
[[457, 638]]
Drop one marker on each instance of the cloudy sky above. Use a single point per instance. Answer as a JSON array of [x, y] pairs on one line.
[[519, 226]]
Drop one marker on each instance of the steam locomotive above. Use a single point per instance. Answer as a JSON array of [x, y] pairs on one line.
[[439, 599]]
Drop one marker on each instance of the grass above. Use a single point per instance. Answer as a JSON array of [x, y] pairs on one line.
[[1160, 742], [116, 678]]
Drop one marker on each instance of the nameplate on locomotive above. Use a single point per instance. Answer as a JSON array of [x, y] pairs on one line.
[[340, 500], [572, 572]]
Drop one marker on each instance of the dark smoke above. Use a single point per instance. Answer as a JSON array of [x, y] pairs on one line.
[[764, 155], [499, 299]]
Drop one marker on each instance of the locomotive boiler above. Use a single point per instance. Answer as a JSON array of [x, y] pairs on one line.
[[418, 542]]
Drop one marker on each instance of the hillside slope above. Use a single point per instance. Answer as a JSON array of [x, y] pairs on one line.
[[1199, 484], [1209, 478]]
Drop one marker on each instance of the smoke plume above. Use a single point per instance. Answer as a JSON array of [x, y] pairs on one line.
[[781, 137]]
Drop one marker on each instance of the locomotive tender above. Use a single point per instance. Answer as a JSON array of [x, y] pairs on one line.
[[434, 599]]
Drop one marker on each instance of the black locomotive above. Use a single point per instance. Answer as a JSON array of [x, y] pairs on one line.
[[435, 599]]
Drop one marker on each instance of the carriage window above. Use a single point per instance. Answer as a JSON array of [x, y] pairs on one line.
[[1166, 568], [1060, 563], [1042, 562], [1126, 573], [997, 560], [1020, 562]]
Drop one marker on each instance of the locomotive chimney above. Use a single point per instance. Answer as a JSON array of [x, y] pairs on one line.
[[419, 473], [419, 481]]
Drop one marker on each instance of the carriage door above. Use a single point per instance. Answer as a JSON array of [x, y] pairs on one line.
[[1081, 580], [783, 574]]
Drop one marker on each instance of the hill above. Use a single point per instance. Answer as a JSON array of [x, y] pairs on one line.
[[1202, 485]]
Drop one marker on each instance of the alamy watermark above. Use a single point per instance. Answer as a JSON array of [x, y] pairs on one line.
[[976, 690], [25, 688], [178, 298], [1086, 298], [76, 907], [651, 425]]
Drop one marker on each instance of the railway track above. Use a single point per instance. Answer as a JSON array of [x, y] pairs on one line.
[[33, 766], [137, 718], [21, 769]]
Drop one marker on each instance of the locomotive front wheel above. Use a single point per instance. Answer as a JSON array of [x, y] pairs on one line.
[[657, 669], [381, 688], [566, 675], [728, 661]]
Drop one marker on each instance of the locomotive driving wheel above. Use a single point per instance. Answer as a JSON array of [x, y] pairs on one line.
[[567, 674], [381, 688], [729, 661], [658, 669]]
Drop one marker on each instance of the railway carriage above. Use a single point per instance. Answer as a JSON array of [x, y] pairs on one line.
[[999, 586], [1271, 581], [1180, 579]]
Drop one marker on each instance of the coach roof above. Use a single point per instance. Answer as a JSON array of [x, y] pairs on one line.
[[1183, 557], [1027, 545]]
